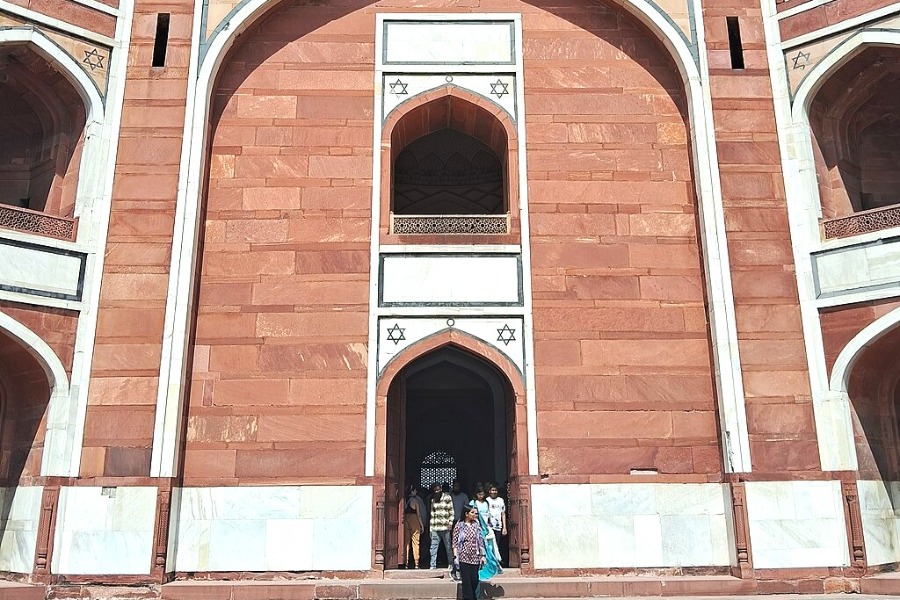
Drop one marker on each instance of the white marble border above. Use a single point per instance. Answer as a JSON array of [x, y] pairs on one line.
[[184, 249], [831, 405]]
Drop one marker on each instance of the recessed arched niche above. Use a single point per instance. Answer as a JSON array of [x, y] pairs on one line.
[[855, 125], [451, 173]]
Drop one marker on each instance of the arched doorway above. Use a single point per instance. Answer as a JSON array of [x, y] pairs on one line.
[[451, 414]]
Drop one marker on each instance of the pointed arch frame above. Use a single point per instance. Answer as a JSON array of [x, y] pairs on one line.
[[59, 438], [467, 343], [89, 185]]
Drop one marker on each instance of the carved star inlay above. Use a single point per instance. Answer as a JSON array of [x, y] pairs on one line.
[[93, 59], [801, 60], [395, 334], [506, 335], [398, 88], [499, 89]]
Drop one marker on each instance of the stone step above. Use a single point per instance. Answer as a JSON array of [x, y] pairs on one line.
[[11, 590], [445, 589]]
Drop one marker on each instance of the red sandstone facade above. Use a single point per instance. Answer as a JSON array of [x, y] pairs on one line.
[[647, 283]]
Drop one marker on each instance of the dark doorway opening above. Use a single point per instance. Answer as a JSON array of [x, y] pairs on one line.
[[450, 416]]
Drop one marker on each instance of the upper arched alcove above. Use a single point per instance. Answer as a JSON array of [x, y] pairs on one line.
[[450, 164], [855, 125], [42, 123]]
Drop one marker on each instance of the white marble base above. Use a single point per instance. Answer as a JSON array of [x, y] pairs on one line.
[[18, 529], [104, 531], [276, 528], [854, 268], [879, 503], [629, 525], [796, 524]]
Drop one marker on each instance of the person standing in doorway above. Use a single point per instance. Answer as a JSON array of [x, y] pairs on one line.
[[440, 522], [468, 552], [413, 524], [497, 516], [460, 499], [492, 552]]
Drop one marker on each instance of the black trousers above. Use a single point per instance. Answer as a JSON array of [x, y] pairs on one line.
[[469, 576]]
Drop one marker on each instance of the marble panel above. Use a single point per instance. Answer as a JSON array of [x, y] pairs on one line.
[[567, 542], [273, 528], [617, 542], [289, 545], [32, 269], [458, 279], [343, 543], [237, 545], [333, 502], [635, 525], [562, 500], [880, 521], [648, 541], [796, 524], [855, 268], [18, 529], [104, 531], [687, 540], [448, 42], [623, 499]]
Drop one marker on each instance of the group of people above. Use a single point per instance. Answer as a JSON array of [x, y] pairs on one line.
[[469, 529]]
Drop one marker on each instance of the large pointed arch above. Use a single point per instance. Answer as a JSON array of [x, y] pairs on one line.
[[206, 63]]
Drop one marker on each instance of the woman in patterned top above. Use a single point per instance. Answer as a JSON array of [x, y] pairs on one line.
[[468, 550]]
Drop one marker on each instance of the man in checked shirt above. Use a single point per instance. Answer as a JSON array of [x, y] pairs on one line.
[[440, 524]]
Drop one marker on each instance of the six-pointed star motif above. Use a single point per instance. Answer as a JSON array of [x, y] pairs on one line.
[[801, 59], [506, 335], [499, 89], [398, 88], [395, 334], [93, 59]]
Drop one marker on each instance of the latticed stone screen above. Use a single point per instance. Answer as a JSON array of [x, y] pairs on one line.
[[22, 219], [450, 224], [864, 222], [438, 467]]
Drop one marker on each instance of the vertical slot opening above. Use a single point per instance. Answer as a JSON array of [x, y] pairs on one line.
[[162, 40], [734, 42]]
